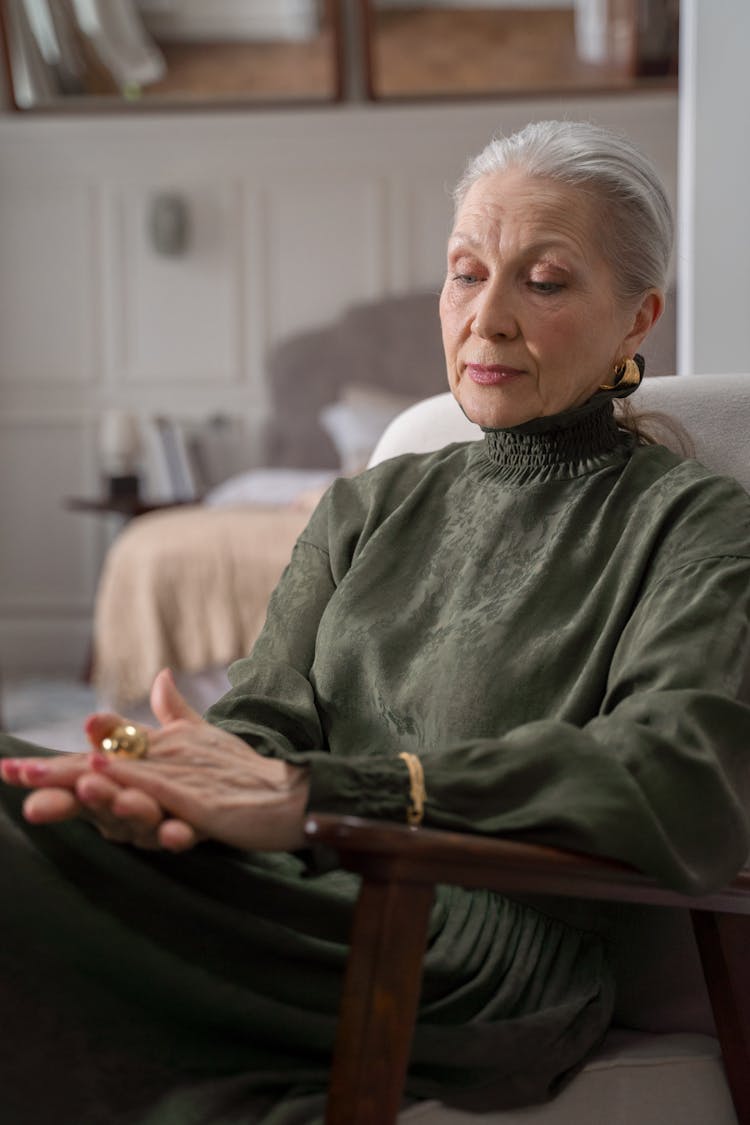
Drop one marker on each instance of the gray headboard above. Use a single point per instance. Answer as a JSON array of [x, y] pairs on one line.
[[393, 343]]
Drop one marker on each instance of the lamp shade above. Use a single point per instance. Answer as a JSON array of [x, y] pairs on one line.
[[119, 442]]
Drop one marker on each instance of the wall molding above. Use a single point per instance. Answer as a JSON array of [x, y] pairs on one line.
[[41, 528], [140, 287], [38, 309], [300, 213]]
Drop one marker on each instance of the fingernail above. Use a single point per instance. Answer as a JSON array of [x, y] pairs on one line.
[[36, 771], [9, 769], [98, 760], [84, 796]]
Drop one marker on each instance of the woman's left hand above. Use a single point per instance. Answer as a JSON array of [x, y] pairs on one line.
[[197, 782]]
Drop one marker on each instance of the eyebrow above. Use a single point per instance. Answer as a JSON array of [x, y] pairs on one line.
[[460, 238]]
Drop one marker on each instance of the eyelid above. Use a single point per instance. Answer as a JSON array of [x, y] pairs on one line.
[[464, 264], [464, 260], [552, 271], [546, 288], [464, 278]]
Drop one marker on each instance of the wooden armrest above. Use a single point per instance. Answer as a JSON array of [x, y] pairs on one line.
[[400, 867], [385, 851]]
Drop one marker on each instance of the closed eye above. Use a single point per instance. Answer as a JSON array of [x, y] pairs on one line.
[[546, 286]]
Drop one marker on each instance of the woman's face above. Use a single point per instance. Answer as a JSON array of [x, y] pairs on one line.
[[531, 323]]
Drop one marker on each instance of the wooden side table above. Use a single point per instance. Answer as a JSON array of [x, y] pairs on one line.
[[126, 506]]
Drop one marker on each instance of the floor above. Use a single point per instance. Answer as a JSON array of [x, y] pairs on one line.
[[49, 711]]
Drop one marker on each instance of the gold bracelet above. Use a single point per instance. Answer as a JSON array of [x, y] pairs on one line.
[[418, 794]]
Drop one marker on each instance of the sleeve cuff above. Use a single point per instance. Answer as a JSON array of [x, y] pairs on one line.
[[359, 787]]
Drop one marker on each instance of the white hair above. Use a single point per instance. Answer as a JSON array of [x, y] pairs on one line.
[[637, 228]]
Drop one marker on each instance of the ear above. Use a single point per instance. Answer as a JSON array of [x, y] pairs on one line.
[[645, 317]]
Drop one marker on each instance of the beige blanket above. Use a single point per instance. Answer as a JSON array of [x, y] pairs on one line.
[[187, 588]]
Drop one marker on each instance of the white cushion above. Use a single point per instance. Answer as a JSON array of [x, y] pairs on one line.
[[715, 412], [713, 409], [634, 1079], [427, 425]]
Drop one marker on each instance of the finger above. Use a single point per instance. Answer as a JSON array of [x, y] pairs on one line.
[[102, 795], [132, 773], [140, 810], [51, 806], [166, 702], [62, 770], [177, 836], [9, 771], [96, 796], [48, 806], [124, 815], [96, 792], [166, 789], [100, 724]]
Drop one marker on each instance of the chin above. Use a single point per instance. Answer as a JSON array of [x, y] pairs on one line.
[[494, 408]]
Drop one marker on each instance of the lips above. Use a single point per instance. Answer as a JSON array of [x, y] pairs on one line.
[[492, 374]]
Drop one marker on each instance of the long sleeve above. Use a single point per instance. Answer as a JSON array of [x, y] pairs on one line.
[[569, 665], [660, 778], [272, 702]]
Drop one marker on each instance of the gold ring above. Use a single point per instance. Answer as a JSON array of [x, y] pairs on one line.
[[125, 741]]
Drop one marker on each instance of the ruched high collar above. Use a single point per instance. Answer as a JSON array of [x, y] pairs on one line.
[[562, 446], [559, 447]]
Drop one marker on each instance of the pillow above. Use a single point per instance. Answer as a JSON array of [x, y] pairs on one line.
[[270, 488], [355, 422]]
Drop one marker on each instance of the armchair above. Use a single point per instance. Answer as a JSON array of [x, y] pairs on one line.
[[657, 1066]]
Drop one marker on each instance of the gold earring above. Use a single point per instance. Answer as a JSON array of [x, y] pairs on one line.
[[626, 373]]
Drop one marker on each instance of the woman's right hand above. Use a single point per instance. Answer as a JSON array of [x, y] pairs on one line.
[[66, 787], [197, 782]]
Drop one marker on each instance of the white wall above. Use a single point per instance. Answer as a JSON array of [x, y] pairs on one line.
[[714, 246], [294, 215]]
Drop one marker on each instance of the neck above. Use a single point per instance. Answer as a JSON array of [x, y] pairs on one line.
[[560, 446]]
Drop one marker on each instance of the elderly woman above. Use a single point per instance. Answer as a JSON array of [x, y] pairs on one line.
[[541, 634]]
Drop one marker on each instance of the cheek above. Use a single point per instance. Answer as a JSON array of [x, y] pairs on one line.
[[450, 325], [552, 338], [566, 335]]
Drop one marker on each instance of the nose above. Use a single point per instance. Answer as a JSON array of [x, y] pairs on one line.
[[494, 314]]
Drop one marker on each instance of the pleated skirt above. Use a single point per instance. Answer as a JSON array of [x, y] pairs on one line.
[[141, 988]]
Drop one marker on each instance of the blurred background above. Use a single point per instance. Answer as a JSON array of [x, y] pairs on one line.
[[194, 196]]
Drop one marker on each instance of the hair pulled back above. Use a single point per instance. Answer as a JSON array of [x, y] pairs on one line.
[[636, 228]]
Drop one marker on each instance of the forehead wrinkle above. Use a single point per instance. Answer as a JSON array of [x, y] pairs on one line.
[[560, 219], [535, 249]]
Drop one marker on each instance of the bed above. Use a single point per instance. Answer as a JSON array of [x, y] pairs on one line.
[[188, 587]]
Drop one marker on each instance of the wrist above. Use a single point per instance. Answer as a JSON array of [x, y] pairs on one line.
[[294, 793]]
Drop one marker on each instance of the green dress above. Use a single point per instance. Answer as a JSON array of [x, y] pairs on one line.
[[557, 621]]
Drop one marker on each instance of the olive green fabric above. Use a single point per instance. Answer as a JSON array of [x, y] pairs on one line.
[[203, 989], [556, 622]]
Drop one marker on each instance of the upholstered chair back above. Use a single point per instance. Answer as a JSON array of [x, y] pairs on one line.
[[661, 1061], [712, 410]]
